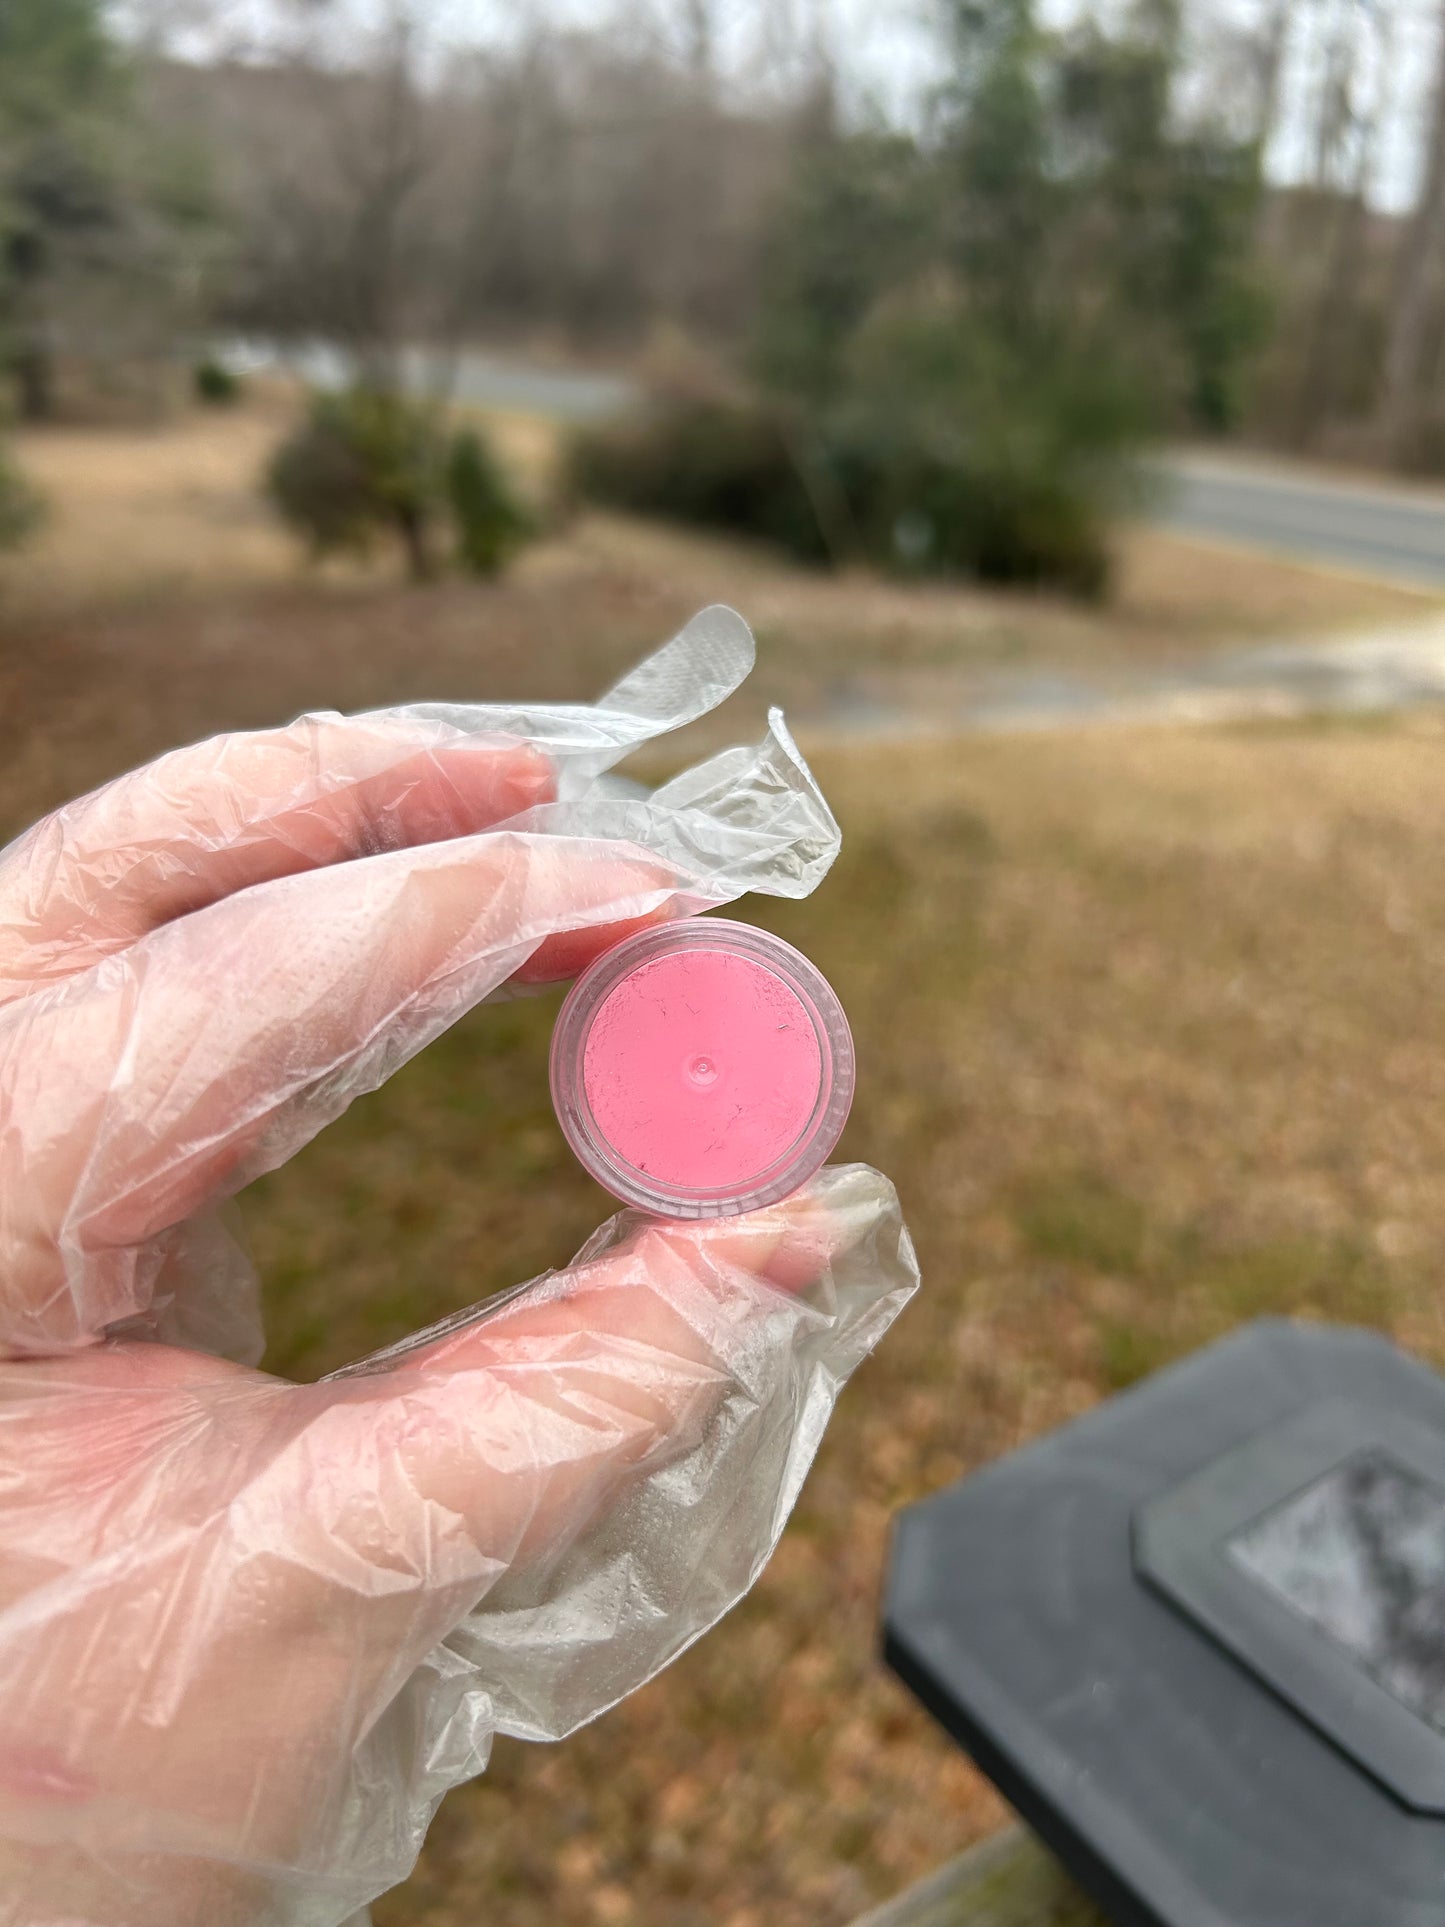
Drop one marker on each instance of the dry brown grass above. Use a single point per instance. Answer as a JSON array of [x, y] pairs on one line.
[[167, 516], [1171, 595], [171, 510], [1149, 1037], [161, 602], [1174, 586], [175, 511]]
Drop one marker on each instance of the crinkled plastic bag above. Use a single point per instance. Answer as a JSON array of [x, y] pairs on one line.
[[251, 1632]]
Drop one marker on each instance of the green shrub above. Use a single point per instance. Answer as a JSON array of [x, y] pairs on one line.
[[368, 465], [490, 523], [930, 510], [717, 464], [20, 507], [362, 464], [930, 463], [958, 452], [216, 385]]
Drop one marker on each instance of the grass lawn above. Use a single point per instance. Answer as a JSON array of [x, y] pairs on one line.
[[1149, 1037], [161, 601]]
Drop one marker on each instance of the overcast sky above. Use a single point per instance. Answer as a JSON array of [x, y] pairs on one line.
[[886, 51]]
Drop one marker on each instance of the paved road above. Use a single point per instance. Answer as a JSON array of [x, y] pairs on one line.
[[572, 395], [563, 394], [1373, 528]]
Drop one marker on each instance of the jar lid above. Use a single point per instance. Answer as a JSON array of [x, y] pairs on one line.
[[702, 1068]]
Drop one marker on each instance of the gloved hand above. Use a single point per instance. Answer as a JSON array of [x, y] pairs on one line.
[[251, 1631]]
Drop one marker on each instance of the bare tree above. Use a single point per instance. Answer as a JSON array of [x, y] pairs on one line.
[[1347, 136], [700, 39], [1422, 247], [390, 191], [1336, 113], [1269, 52], [326, 150]]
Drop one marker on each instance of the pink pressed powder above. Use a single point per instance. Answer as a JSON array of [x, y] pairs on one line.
[[702, 1068]]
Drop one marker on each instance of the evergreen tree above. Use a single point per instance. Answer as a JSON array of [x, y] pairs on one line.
[[102, 228]]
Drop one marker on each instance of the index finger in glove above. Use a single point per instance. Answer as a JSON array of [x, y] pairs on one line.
[[214, 1047], [203, 822]]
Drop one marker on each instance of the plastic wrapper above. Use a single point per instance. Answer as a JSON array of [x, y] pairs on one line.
[[250, 1632]]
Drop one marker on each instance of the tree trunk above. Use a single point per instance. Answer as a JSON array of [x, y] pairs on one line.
[[1330, 322], [1268, 66], [34, 381], [412, 527], [1315, 395], [701, 48], [1423, 242]]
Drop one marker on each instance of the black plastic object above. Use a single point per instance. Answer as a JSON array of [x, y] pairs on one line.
[[1315, 1552], [1177, 1776]]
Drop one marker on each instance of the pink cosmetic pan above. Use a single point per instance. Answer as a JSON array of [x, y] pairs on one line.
[[701, 1069]]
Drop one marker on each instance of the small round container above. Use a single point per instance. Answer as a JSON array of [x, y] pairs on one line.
[[701, 1069]]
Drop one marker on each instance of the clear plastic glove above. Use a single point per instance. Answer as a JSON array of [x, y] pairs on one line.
[[250, 1631]]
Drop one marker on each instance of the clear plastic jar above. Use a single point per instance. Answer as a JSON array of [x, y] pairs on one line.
[[702, 1068]]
